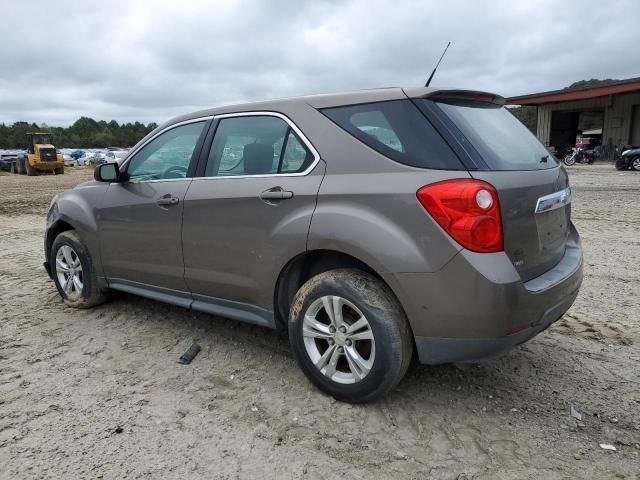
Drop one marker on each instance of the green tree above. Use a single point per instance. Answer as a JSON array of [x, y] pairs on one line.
[[593, 82], [527, 114], [83, 133]]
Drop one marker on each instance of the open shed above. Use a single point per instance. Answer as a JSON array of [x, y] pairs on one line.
[[613, 109]]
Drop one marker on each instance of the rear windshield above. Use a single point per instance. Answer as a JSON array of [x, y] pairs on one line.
[[398, 130], [500, 139]]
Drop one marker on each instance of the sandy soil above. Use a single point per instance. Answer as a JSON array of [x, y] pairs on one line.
[[99, 394]]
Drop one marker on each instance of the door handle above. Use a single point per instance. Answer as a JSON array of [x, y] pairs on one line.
[[167, 200], [276, 194]]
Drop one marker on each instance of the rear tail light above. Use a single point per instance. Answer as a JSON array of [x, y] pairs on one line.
[[468, 210]]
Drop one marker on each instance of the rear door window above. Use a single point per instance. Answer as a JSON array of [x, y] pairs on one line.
[[498, 137], [256, 145], [398, 130]]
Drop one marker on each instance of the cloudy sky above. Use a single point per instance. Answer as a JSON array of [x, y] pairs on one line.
[[151, 60]]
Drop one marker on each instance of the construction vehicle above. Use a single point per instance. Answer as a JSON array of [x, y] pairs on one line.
[[41, 156]]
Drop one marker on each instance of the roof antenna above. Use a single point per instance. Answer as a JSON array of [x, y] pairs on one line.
[[437, 65]]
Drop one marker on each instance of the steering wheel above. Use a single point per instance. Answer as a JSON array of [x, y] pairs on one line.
[[177, 171]]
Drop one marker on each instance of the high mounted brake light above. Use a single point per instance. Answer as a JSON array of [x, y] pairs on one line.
[[468, 210]]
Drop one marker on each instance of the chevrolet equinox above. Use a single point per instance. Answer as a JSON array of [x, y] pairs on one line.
[[374, 225]]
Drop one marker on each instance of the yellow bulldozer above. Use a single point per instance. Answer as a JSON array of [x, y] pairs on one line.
[[41, 156]]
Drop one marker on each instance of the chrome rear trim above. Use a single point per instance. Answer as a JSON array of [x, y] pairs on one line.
[[553, 201]]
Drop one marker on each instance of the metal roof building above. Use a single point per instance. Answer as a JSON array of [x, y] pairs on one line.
[[564, 114]]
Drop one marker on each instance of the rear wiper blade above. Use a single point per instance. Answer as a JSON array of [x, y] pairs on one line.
[[544, 159]]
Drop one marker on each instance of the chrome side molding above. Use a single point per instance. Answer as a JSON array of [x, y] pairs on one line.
[[553, 200]]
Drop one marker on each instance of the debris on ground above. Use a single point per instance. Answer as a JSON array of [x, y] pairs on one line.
[[607, 446], [189, 355], [576, 414]]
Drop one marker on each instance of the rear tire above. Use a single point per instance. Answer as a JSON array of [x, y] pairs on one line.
[[59, 171], [14, 167], [351, 325], [73, 272]]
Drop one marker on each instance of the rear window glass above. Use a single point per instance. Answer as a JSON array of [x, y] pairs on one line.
[[502, 141], [398, 130]]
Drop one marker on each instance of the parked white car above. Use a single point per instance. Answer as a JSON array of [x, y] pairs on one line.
[[116, 156], [69, 161], [96, 158]]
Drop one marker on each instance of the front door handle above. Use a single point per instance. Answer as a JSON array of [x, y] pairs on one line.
[[167, 200], [275, 194]]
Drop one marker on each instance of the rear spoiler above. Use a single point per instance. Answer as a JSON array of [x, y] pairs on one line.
[[460, 95]]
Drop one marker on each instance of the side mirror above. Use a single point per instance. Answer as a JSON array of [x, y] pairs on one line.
[[107, 172]]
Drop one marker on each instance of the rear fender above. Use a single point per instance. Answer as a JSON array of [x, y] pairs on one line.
[[377, 219]]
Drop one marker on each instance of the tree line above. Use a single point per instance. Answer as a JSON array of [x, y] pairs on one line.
[[527, 114], [83, 133]]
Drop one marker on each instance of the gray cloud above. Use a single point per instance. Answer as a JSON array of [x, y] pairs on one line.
[[150, 60]]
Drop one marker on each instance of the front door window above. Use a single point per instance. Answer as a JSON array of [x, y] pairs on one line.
[[167, 156]]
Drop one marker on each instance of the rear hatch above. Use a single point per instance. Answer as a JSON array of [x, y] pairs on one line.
[[532, 186]]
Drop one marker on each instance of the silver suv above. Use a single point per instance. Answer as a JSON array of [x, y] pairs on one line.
[[374, 225]]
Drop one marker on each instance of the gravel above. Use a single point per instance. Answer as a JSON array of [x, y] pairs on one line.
[[99, 393]]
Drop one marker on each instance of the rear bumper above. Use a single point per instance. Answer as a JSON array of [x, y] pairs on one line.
[[477, 306], [433, 350]]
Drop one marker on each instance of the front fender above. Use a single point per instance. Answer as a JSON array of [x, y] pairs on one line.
[[76, 209]]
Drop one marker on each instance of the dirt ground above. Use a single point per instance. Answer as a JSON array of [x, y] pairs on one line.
[[99, 394]]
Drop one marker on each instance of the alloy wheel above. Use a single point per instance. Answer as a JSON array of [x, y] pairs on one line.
[[338, 339], [69, 271]]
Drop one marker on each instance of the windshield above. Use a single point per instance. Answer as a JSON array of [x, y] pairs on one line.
[[41, 140], [502, 141]]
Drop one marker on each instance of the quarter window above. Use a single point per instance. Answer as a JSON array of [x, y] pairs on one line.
[[295, 157], [167, 156], [256, 145], [398, 130]]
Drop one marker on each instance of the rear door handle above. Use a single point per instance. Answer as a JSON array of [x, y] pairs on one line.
[[167, 200], [276, 194]]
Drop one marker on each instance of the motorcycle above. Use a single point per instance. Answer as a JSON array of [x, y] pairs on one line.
[[580, 155]]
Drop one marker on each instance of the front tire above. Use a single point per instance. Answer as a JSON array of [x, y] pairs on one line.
[[73, 272], [350, 335], [634, 164], [59, 171], [29, 169], [569, 160]]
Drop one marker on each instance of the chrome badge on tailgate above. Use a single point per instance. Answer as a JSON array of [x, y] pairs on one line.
[[553, 200]]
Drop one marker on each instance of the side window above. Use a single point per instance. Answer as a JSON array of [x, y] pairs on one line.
[[296, 157], [397, 130], [166, 156], [375, 124], [255, 145]]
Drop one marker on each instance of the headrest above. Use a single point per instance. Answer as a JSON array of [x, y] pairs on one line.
[[258, 158]]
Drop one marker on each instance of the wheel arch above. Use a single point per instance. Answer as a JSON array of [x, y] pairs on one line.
[[73, 211], [308, 264], [53, 231]]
